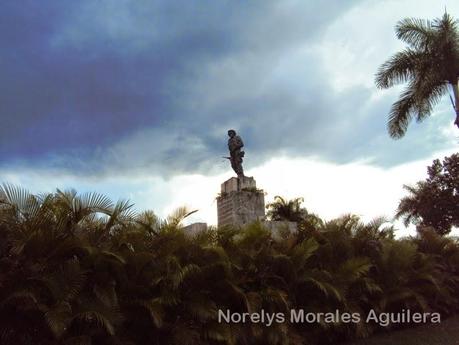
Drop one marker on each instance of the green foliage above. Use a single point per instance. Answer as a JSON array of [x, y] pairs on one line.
[[292, 210], [430, 64], [283, 209], [83, 270], [435, 201]]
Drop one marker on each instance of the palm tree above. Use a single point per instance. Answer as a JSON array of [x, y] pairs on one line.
[[430, 64], [79, 269], [58, 281], [408, 278], [289, 210]]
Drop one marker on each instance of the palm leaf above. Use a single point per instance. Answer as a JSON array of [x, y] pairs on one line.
[[400, 68], [416, 32]]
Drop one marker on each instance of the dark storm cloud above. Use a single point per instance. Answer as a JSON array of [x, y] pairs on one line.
[[117, 86]]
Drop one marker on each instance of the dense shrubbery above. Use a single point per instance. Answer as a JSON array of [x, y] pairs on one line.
[[80, 270]]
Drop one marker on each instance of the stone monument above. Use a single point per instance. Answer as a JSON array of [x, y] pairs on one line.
[[239, 202]]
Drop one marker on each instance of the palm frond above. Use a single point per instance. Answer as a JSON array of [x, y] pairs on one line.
[[96, 202], [400, 68], [328, 290], [355, 268], [122, 212], [178, 215], [149, 221], [401, 113], [20, 199], [418, 33], [303, 251], [428, 94]]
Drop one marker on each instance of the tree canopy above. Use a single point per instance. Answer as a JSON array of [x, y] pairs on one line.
[[435, 201]]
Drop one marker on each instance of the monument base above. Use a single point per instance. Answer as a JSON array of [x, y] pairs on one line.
[[195, 228], [240, 202], [280, 229]]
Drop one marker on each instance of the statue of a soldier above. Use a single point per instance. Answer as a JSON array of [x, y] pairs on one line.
[[235, 145]]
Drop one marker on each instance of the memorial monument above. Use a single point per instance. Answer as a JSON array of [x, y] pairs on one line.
[[235, 145], [239, 202]]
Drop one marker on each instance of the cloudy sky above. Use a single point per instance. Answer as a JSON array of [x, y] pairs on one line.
[[133, 98]]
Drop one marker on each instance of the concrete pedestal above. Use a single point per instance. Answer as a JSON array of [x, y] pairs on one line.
[[195, 228], [280, 228], [240, 202]]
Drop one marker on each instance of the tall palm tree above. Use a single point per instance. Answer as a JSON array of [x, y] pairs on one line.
[[430, 65]]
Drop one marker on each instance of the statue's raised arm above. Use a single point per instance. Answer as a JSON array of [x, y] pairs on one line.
[[235, 145]]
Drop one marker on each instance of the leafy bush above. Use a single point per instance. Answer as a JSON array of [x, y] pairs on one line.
[[79, 269]]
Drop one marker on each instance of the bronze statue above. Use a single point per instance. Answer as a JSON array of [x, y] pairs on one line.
[[235, 145]]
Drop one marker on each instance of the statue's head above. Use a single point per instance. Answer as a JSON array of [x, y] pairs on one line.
[[231, 133]]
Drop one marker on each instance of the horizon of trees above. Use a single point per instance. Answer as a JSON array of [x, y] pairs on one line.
[[80, 269]]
